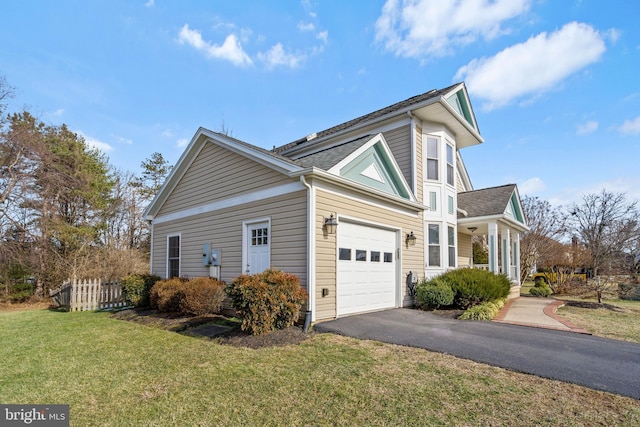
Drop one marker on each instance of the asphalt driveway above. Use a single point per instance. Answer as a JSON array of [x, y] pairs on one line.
[[598, 363]]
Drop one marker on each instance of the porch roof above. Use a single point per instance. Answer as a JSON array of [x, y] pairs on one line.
[[479, 207]]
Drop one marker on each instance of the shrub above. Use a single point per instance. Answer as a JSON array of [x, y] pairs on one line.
[[202, 295], [20, 292], [166, 295], [541, 289], [136, 288], [434, 294], [473, 286], [266, 301], [484, 311]]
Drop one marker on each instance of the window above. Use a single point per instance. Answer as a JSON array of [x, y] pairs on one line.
[[452, 246], [344, 254], [259, 237], [173, 257], [375, 256], [388, 257], [432, 159], [450, 205], [433, 200], [434, 245], [449, 165], [361, 255]]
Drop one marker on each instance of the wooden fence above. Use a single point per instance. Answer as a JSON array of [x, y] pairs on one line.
[[92, 294]]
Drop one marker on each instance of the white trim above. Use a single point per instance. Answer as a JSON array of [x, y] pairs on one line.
[[311, 247], [230, 202], [151, 251], [166, 271], [245, 239]]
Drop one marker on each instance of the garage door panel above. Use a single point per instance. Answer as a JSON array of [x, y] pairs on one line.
[[368, 284]]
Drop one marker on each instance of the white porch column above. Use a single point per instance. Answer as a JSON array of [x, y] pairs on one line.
[[493, 247], [516, 256], [506, 253]]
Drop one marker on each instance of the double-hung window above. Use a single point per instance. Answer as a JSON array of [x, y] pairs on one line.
[[173, 256], [434, 245], [452, 246], [450, 174], [432, 159]]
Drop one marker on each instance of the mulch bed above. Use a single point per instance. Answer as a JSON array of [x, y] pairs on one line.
[[594, 305], [232, 336]]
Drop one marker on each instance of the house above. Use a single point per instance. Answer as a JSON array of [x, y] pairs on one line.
[[357, 211]]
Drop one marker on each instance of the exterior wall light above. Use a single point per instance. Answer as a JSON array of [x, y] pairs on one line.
[[330, 224], [411, 239]]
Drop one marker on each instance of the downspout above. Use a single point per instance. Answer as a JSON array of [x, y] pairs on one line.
[[311, 255], [151, 250]]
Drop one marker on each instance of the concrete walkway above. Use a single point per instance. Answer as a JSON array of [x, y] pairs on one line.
[[536, 312]]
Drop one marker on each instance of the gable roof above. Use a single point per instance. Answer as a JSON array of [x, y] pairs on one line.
[[486, 201], [465, 119]]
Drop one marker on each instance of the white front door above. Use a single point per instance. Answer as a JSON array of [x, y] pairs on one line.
[[258, 247]]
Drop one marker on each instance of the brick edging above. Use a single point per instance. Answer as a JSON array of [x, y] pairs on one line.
[[550, 310]]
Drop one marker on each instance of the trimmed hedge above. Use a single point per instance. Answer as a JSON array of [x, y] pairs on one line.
[[198, 296], [136, 288], [266, 301], [434, 294]]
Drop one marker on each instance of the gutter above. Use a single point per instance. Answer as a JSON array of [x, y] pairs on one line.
[[311, 254]]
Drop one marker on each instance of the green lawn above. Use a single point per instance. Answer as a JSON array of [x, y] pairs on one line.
[[607, 323], [116, 373]]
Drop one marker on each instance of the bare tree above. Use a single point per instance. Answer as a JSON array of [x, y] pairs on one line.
[[607, 225], [546, 225]]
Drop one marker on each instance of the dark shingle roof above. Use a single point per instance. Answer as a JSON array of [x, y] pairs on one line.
[[398, 106], [485, 202], [326, 159]]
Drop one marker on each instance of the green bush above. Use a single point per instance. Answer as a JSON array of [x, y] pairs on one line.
[[434, 294], [166, 295], [136, 288], [484, 311], [202, 295], [20, 292], [541, 289], [266, 301], [473, 286]]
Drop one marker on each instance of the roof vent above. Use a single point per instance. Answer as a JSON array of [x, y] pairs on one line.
[[312, 136]]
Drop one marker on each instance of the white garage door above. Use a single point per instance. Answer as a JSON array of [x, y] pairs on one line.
[[366, 269]]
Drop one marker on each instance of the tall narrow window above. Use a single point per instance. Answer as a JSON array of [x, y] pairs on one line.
[[432, 159], [433, 201], [434, 245], [173, 256], [452, 246], [450, 179], [450, 205]]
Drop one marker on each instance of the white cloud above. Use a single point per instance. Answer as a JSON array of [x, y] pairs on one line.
[[182, 142], [630, 127], [628, 185], [123, 140], [533, 67], [531, 186], [306, 27], [59, 112], [150, 3], [427, 28], [231, 50], [587, 128], [276, 56], [95, 143], [323, 35], [167, 133]]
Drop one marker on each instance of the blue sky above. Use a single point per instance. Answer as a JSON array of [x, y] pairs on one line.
[[554, 84]]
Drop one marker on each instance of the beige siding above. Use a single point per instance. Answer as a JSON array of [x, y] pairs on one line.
[[419, 173], [326, 202], [223, 229], [465, 250], [459, 184], [399, 141], [218, 173]]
